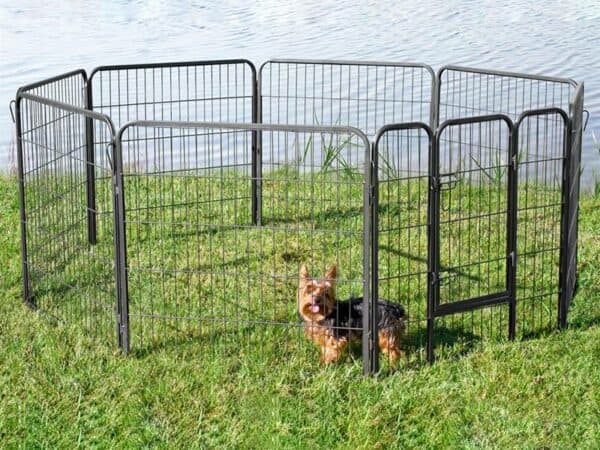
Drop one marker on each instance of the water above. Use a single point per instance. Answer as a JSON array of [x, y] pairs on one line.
[[38, 40]]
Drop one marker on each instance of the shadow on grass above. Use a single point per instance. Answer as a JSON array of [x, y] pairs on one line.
[[424, 260], [582, 314], [252, 347], [278, 344]]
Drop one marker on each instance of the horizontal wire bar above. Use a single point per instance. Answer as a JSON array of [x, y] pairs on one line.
[[401, 228], [166, 102], [263, 227], [230, 320], [176, 173], [474, 263], [248, 275], [178, 205], [47, 123], [342, 99], [165, 136], [474, 218]]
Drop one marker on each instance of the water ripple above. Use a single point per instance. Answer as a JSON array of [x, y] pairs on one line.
[[515, 35]]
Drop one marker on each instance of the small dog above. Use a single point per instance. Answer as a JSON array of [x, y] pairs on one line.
[[333, 324]]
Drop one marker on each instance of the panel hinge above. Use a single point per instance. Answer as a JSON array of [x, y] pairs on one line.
[[121, 324], [434, 183], [12, 113], [434, 278], [453, 180]]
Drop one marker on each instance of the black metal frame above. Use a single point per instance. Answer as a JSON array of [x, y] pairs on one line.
[[571, 157], [20, 166], [121, 316], [491, 298], [109, 69], [431, 214], [571, 185], [509, 295], [555, 96], [369, 331]]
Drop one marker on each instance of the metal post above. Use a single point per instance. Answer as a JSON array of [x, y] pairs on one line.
[[565, 202], [511, 221], [90, 170], [433, 219], [373, 331], [367, 341], [27, 296], [375, 231], [567, 181], [575, 136], [256, 156], [122, 306], [435, 103], [433, 253]]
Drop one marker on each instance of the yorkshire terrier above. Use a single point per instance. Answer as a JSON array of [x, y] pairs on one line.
[[333, 324]]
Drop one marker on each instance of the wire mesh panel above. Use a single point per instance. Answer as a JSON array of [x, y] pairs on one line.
[[67, 88], [209, 91], [541, 159], [64, 276], [196, 264], [474, 159], [204, 226], [363, 95], [222, 91], [472, 253], [466, 92], [401, 244], [70, 88]]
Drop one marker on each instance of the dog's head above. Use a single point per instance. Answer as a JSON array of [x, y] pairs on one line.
[[316, 297]]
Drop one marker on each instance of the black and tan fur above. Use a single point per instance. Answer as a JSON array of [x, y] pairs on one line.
[[333, 324]]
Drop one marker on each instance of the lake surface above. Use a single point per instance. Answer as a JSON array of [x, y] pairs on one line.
[[38, 40]]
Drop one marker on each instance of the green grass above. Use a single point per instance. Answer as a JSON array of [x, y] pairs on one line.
[[193, 252], [249, 386]]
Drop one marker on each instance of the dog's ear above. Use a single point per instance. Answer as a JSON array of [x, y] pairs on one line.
[[331, 273], [304, 276]]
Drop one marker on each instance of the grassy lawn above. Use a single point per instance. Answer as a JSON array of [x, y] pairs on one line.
[[257, 387]]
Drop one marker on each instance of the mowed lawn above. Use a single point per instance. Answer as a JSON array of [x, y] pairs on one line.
[[60, 389]]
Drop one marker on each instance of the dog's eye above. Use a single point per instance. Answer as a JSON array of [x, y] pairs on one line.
[[310, 288]]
